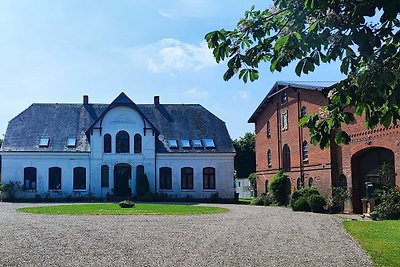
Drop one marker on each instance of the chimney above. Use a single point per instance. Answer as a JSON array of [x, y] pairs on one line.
[[157, 101], [85, 99]]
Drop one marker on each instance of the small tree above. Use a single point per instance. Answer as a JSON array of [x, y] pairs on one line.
[[142, 184], [280, 188], [387, 174], [253, 182]]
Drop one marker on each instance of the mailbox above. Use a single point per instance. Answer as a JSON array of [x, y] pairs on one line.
[[369, 189]]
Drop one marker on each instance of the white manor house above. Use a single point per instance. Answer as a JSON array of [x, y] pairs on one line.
[[79, 150]]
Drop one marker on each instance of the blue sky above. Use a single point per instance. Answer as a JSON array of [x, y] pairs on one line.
[[57, 51]]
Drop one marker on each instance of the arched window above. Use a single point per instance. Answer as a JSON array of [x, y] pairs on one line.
[[303, 111], [269, 158], [298, 184], [266, 186], [105, 175], [311, 182], [122, 142], [286, 158], [268, 129], [30, 178], [137, 147], [79, 178], [54, 178], [209, 178], [187, 178], [107, 143], [305, 151], [165, 178]]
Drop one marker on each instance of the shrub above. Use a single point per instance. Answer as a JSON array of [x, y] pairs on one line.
[[280, 188], [126, 204], [262, 200], [301, 204], [304, 192], [317, 203], [389, 207], [8, 190], [147, 197], [337, 199]]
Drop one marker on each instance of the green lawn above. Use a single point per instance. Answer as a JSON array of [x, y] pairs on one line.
[[381, 239], [114, 209]]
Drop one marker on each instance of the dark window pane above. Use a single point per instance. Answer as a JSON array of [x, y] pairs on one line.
[[286, 158], [79, 178], [208, 178], [55, 178], [165, 178], [107, 143], [137, 143], [105, 175], [187, 178], [122, 142], [30, 178]]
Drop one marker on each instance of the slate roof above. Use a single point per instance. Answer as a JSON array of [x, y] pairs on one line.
[[280, 85], [63, 121]]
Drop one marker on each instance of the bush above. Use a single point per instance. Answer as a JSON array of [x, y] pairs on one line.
[[126, 204], [262, 200], [304, 192], [301, 204], [337, 199], [280, 188], [147, 197], [317, 203], [389, 207], [8, 191]]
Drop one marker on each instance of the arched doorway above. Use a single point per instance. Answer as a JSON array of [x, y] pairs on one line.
[[122, 178], [365, 166]]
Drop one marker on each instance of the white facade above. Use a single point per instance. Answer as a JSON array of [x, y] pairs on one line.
[[120, 118]]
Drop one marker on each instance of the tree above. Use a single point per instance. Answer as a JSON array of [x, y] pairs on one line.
[[363, 34], [245, 158]]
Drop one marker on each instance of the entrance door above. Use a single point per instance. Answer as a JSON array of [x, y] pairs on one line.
[[122, 178]]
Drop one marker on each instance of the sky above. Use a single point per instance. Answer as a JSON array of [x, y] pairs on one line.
[[58, 51]]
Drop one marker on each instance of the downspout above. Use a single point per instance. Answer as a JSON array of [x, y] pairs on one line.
[[300, 140], [279, 136], [155, 164]]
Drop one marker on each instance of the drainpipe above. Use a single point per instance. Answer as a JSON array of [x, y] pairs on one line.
[[300, 139], [279, 134]]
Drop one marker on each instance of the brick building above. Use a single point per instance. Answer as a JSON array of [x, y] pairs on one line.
[[281, 144]]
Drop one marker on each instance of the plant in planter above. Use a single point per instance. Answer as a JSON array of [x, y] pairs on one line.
[[126, 204]]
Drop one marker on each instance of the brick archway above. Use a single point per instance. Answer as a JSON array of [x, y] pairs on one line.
[[365, 166]]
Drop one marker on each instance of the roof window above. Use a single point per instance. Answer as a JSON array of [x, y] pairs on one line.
[[44, 142], [172, 143], [197, 143], [71, 142], [209, 143], [185, 143]]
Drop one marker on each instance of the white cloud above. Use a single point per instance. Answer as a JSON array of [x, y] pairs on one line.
[[197, 93], [171, 55], [242, 96]]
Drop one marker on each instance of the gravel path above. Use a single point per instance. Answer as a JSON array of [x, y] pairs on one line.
[[246, 236]]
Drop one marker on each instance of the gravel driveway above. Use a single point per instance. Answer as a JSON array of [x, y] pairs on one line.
[[246, 236]]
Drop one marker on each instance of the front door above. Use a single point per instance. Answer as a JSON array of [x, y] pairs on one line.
[[122, 180]]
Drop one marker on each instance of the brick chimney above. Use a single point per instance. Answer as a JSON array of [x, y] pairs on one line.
[[85, 99], [157, 101]]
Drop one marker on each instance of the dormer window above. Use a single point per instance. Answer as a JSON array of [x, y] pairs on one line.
[[209, 143], [71, 142], [197, 143], [185, 143], [44, 142], [172, 143]]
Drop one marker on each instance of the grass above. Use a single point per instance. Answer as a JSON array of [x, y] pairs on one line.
[[381, 239], [245, 201], [115, 209]]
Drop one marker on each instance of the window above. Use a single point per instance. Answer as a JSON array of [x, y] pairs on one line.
[[122, 142], [107, 143], [239, 184], [71, 142], [311, 182], [286, 158], [185, 143], [105, 175], [79, 178], [172, 143], [165, 178], [209, 178], [54, 178], [305, 151], [187, 178], [269, 158], [197, 143], [209, 143], [284, 98], [268, 129], [266, 186], [137, 146], [299, 184], [303, 111], [30, 178], [44, 142], [284, 120]]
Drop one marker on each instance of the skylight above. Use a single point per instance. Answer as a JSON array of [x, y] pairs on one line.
[[209, 143], [197, 143], [185, 143], [172, 143], [44, 142], [71, 142]]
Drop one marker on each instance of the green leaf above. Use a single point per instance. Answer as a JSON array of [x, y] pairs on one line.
[[386, 119]]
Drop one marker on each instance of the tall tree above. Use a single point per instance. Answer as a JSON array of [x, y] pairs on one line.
[[245, 158], [363, 34]]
